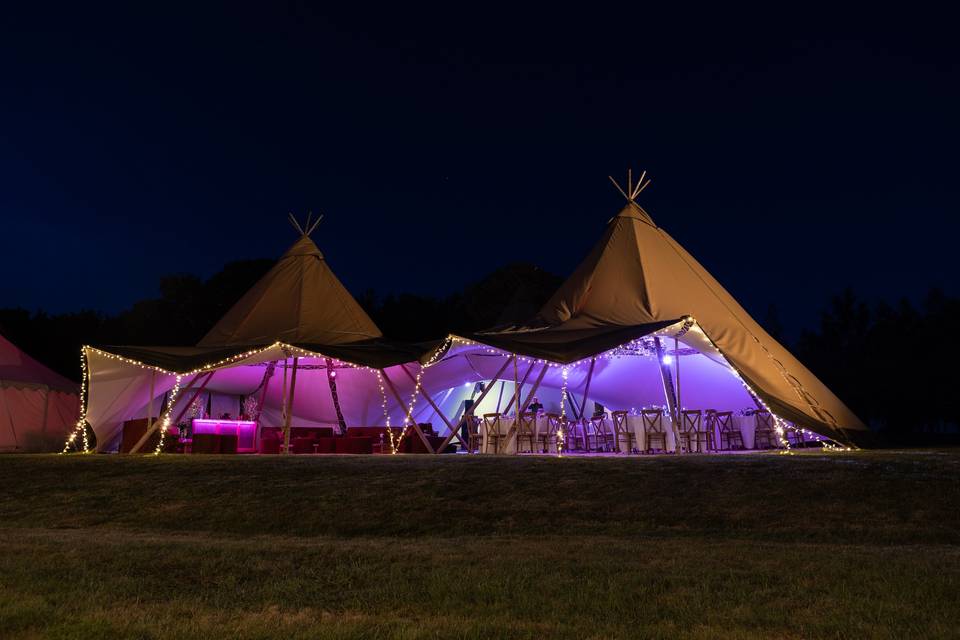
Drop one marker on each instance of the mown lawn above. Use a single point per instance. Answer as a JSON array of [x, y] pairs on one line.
[[851, 545]]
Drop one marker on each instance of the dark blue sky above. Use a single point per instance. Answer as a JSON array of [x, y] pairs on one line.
[[793, 155]]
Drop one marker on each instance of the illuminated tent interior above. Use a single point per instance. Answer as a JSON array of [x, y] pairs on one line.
[[640, 326], [296, 339], [38, 407], [636, 293]]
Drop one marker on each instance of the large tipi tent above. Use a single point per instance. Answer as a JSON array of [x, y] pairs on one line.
[[635, 310], [298, 310], [38, 407]]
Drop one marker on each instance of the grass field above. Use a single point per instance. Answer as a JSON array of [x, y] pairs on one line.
[[851, 545]]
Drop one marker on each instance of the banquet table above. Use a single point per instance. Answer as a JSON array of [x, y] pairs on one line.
[[635, 425], [508, 443]]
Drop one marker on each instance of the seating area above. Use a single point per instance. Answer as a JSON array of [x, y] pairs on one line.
[[649, 430], [356, 441]]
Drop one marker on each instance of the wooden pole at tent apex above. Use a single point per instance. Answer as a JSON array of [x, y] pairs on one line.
[[289, 412]]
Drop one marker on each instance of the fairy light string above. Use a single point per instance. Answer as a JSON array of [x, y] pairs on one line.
[[635, 347]]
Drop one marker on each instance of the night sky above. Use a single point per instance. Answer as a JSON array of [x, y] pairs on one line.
[[793, 155]]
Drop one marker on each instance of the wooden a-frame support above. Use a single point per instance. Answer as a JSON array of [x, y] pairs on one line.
[[429, 399], [476, 403], [413, 422], [517, 388], [156, 423]]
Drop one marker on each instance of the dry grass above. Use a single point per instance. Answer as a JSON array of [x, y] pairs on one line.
[[808, 546]]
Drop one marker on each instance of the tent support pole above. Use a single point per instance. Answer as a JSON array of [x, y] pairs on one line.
[[267, 377], [332, 381], [429, 399], [516, 385], [586, 390], [416, 427], [517, 388], [289, 412], [486, 390], [483, 394], [150, 425], [536, 385], [669, 393], [503, 383], [676, 351], [143, 439]]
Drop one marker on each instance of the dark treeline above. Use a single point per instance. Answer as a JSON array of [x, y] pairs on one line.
[[890, 363]]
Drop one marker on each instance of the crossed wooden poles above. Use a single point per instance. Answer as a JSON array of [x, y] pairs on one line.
[[671, 391]]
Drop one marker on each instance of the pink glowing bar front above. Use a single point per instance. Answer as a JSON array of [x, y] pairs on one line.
[[245, 430]]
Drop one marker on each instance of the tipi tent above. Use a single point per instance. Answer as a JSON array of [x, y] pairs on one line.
[[38, 407], [639, 297], [297, 323], [299, 301]]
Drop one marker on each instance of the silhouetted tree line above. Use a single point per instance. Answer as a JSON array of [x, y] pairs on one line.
[[892, 364]]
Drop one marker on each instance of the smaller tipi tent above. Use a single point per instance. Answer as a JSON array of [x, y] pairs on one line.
[[298, 311], [38, 407], [299, 301]]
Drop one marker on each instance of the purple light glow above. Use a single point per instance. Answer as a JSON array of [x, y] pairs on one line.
[[245, 430]]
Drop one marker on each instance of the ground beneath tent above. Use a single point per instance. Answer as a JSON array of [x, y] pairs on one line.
[[863, 544]]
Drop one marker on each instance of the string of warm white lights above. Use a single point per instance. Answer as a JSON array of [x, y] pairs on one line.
[[383, 405], [81, 426], [561, 435], [631, 348], [408, 417], [638, 347], [165, 421]]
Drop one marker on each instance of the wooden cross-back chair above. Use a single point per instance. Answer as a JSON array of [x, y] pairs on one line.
[[554, 423], [573, 436], [653, 429], [474, 438], [621, 431], [599, 431], [728, 430], [763, 434], [491, 430], [695, 433], [526, 431], [706, 436]]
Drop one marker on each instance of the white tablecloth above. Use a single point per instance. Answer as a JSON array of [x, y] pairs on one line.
[[508, 445]]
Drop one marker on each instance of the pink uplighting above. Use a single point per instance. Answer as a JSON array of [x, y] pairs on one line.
[[245, 430]]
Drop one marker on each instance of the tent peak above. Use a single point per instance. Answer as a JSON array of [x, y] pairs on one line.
[[305, 229], [634, 210], [633, 190]]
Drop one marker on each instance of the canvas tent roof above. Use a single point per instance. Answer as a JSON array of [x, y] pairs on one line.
[[17, 369], [371, 353], [37, 406], [299, 301], [638, 279]]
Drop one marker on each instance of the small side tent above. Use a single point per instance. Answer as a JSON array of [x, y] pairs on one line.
[[640, 323], [296, 350], [38, 408]]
